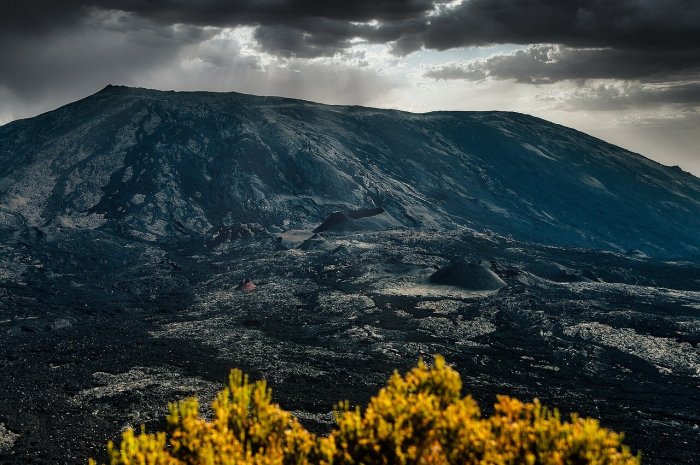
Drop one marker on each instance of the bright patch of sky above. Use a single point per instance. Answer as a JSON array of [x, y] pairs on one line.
[[432, 57]]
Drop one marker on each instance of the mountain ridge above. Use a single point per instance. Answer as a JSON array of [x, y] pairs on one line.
[[166, 165], [110, 87]]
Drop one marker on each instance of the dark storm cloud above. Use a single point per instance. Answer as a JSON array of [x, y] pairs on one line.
[[320, 27], [312, 17], [284, 28], [547, 63], [624, 24], [625, 39], [682, 96], [112, 40]]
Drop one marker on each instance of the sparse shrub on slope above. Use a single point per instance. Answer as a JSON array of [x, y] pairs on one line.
[[419, 418]]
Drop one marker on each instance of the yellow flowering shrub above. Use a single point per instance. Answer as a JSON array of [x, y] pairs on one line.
[[419, 418]]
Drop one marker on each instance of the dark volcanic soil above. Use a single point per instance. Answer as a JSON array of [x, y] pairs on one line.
[[99, 334]]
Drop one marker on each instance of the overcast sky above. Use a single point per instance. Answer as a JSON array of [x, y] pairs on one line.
[[627, 71]]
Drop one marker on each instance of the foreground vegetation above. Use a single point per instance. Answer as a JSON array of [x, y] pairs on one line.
[[419, 418]]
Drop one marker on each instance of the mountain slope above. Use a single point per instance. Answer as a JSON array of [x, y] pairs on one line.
[[166, 166]]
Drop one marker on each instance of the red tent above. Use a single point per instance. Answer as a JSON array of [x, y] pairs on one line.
[[247, 285]]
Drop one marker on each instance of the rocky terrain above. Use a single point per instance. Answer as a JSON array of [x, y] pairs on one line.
[[540, 261]]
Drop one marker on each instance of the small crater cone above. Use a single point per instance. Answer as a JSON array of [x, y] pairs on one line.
[[556, 272], [467, 275]]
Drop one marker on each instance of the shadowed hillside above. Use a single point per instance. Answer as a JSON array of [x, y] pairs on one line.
[[170, 166]]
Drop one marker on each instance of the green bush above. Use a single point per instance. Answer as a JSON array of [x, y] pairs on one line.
[[419, 418]]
